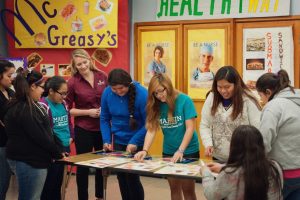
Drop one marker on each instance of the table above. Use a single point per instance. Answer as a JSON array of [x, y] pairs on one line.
[[74, 160]]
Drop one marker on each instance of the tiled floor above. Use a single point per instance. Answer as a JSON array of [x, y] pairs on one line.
[[155, 188]]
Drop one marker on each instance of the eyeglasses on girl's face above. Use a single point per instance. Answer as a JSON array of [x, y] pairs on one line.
[[63, 94], [159, 92], [41, 86]]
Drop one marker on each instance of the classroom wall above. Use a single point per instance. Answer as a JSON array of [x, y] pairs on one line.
[[145, 11]]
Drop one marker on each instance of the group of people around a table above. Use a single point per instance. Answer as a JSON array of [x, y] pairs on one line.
[[255, 151]]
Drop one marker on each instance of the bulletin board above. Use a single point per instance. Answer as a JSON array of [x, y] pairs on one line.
[[282, 23]]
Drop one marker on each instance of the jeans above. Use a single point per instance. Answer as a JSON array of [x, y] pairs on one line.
[[5, 173], [30, 180], [291, 189], [85, 141], [52, 187], [130, 185]]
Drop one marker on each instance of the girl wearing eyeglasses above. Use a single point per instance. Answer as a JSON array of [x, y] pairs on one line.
[[56, 90], [175, 114]]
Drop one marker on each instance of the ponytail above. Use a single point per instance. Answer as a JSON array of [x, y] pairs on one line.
[[274, 82], [22, 84]]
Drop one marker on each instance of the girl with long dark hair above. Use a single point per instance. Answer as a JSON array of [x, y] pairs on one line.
[[280, 127], [30, 146], [229, 104], [123, 114], [248, 173], [7, 69]]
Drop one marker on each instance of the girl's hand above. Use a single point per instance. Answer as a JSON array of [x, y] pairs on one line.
[[107, 147], [178, 156], [94, 112], [65, 156], [209, 151], [215, 167], [139, 156], [71, 141], [131, 148]]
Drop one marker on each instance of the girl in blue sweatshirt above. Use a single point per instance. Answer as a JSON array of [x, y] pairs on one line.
[[123, 114]]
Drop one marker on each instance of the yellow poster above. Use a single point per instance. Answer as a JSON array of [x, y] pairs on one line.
[[66, 24], [158, 51], [206, 54]]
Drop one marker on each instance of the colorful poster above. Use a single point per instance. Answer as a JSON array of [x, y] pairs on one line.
[[146, 165], [170, 10], [180, 169], [206, 54], [66, 24], [104, 162], [267, 50], [158, 51]]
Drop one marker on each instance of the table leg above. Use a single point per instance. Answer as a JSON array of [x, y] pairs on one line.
[[105, 174], [65, 182]]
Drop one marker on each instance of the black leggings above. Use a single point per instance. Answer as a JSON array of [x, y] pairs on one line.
[[130, 185], [87, 141]]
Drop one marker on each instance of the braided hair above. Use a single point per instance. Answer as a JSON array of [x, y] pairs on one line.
[[121, 77]]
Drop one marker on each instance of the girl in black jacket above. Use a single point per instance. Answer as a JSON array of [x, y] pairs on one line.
[[30, 147]]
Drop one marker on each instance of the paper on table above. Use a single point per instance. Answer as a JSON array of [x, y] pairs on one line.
[[104, 162], [180, 169], [146, 165]]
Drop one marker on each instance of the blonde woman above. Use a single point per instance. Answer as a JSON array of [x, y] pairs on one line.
[[85, 89], [175, 114]]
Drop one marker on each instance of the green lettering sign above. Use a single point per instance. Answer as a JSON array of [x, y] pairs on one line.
[[173, 3], [164, 5], [196, 12], [212, 7], [185, 3], [241, 6], [226, 3]]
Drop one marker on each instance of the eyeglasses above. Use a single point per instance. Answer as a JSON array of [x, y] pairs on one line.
[[158, 92], [63, 94], [41, 86]]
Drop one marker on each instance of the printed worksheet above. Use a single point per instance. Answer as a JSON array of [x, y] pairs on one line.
[[146, 165], [104, 162], [180, 169]]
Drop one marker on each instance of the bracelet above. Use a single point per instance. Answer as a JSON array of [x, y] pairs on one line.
[[180, 151], [145, 151]]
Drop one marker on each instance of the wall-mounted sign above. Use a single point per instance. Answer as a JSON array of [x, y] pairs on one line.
[[267, 50], [169, 10], [65, 23]]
